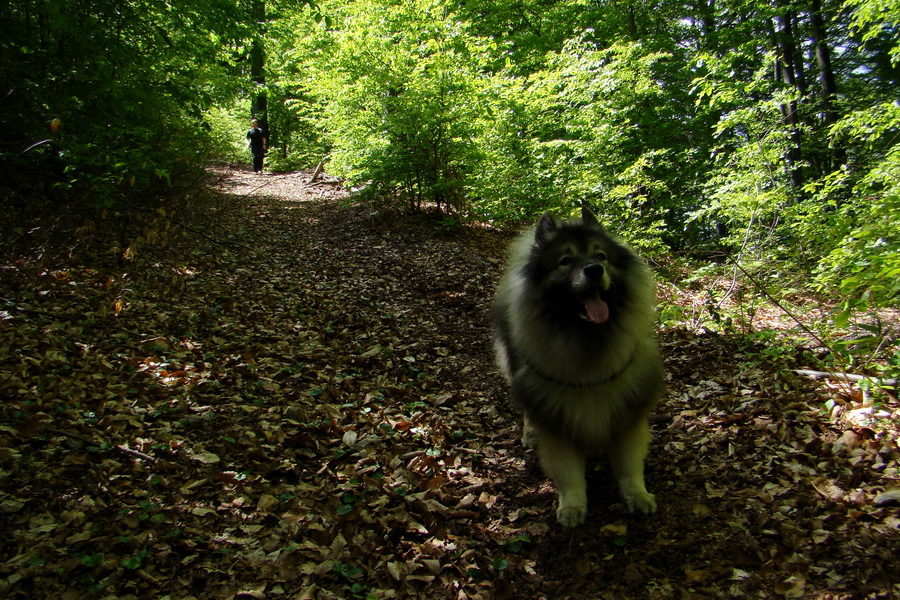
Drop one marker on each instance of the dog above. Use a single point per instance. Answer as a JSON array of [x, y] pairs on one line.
[[573, 319]]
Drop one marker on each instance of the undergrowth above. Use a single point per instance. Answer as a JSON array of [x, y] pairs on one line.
[[783, 326]]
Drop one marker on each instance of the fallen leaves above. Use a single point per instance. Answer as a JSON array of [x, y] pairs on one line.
[[319, 418]]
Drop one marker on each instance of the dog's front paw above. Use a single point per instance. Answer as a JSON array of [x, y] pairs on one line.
[[571, 516], [643, 502]]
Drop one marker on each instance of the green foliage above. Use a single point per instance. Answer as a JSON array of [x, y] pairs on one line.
[[298, 133], [411, 107], [107, 99], [804, 194], [877, 18], [864, 264], [135, 561], [749, 185], [595, 125], [228, 126], [397, 83]]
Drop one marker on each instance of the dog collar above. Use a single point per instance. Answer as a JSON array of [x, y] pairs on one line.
[[580, 385]]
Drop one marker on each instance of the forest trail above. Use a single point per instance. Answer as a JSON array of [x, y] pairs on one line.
[[295, 398], [294, 186]]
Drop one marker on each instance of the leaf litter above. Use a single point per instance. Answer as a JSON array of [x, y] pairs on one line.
[[294, 397]]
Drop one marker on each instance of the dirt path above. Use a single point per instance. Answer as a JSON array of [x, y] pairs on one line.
[[296, 399]]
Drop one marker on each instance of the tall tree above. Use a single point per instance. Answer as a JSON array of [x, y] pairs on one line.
[[787, 71], [827, 83], [259, 107]]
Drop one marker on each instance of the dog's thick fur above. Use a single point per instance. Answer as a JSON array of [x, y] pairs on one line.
[[573, 322]]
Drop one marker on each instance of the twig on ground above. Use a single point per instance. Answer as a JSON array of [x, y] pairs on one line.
[[87, 442], [846, 376]]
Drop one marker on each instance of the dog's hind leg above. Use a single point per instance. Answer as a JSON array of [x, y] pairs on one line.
[[627, 460], [565, 464]]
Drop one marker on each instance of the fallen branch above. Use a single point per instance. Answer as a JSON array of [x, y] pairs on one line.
[[781, 306], [135, 453], [847, 377], [88, 442], [317, 172], [846, 380]]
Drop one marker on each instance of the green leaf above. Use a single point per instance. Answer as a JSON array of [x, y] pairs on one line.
[[134, 562], [842, 318], [91, 560]]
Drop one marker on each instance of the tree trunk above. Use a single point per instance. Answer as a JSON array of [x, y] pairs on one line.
[[823, 61], [259, 107], [632, 22], [788, 75], [827, 83], [706, 10]]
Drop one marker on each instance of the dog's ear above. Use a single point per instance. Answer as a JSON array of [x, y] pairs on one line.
[[545, 228], [589, 218]]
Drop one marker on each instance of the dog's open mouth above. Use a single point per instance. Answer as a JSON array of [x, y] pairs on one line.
[[596, 310]]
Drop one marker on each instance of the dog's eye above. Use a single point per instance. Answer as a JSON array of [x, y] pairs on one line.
[[565, 261], [601, 256]]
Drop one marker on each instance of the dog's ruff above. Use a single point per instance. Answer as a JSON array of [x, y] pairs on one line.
[[579, 384]]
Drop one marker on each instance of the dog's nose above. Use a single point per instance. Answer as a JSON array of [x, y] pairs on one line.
[[593, 272]]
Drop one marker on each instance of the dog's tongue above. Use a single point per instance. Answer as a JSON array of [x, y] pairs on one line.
[[597, 309]]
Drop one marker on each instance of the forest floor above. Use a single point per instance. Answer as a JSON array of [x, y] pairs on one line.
[[295, 397]]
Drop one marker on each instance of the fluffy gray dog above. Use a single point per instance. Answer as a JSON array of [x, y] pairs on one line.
[[573, 335]]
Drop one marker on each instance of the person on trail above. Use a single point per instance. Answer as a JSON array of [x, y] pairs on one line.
[[257, 139]]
